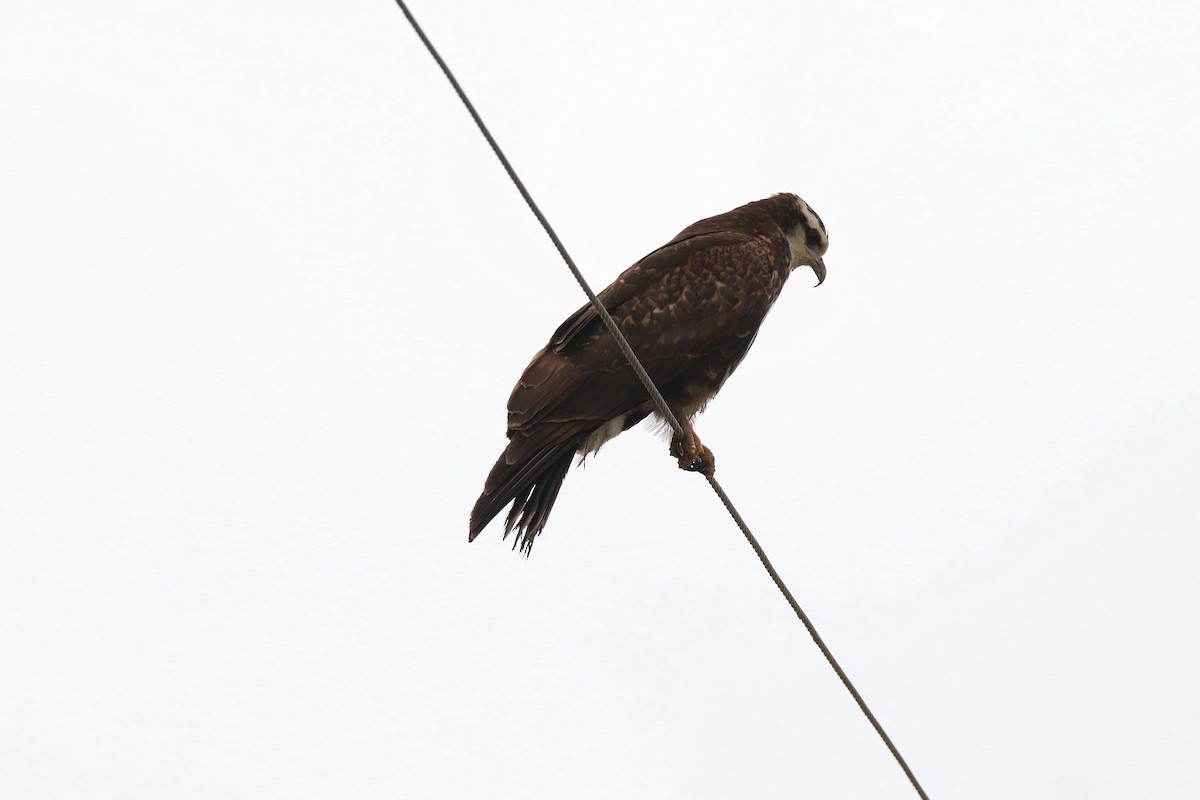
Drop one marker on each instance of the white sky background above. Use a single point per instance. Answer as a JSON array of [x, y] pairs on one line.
[[265, 292]]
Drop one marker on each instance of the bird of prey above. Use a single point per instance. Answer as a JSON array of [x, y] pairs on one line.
[[690, 311]]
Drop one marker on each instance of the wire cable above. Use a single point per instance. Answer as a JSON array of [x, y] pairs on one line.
[[659, 402]]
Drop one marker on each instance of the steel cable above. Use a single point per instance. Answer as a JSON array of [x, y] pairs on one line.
[[659, 402]]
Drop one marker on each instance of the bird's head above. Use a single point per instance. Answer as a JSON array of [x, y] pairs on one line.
[[805, 234]]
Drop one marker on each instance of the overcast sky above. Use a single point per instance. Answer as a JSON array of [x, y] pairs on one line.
[[266, 290]]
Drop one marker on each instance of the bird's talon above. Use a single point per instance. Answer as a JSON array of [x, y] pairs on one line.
[[699, 459]]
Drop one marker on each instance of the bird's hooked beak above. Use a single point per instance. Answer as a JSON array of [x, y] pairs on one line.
[[818, 267]]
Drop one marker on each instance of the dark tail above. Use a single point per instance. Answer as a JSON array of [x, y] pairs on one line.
[[528, 474]]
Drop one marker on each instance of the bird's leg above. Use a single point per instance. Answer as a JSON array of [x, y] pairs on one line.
[[693, 456]]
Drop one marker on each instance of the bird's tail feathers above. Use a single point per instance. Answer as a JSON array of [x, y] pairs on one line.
[[531, 508], [528, 474]]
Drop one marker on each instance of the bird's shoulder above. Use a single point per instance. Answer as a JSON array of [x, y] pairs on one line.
[[697, 272]]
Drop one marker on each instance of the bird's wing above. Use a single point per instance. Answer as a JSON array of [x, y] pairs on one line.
[[637, 280], [696, 296]]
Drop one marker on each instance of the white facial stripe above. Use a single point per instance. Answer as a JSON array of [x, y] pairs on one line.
[[804, 254], [815, 223], [800, 252]]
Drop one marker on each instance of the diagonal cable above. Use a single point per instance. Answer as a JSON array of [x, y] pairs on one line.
[[659, 402], [605, 317]]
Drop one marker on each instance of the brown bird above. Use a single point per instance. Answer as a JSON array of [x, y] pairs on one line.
[[690, 311]]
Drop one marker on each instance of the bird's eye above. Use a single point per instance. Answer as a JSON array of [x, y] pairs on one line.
[[812, 238]]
